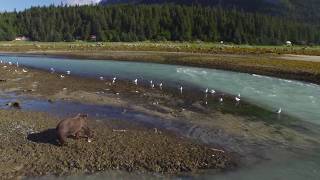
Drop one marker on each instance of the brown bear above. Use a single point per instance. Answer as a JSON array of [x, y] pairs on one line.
[[73, 127]]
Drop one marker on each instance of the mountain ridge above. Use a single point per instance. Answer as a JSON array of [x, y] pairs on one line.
[[308, 10]]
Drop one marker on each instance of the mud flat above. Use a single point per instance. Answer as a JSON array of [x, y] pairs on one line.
[[29, 148]]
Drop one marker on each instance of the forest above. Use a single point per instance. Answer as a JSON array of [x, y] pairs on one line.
[[156, 22]]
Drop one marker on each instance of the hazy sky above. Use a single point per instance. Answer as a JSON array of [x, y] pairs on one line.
[[10, 5]]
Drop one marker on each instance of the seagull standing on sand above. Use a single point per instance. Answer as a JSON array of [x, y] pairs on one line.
[[237, 98], [279, 111], [151, 84], [62, 76], [221, 99], [160, 86], [114, 80], [181, 89], [135, 81], [206, 91]]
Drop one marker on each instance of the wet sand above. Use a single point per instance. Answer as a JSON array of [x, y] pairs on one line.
[[29, 148], [301, 57]]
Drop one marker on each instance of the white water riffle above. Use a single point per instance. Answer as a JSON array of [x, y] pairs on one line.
[[298, 99]]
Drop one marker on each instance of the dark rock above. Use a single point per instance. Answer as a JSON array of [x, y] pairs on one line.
[[14, 105]]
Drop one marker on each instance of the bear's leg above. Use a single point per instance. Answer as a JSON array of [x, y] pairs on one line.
[[62, 139], [77, 135]]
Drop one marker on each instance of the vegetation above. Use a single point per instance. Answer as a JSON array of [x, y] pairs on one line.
[[188, 47], [155, 22], [307, 10]]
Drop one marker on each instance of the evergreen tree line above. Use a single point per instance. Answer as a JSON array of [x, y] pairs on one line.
[[154, 22]]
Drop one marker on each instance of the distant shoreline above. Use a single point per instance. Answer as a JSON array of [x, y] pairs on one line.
[[277, 61]]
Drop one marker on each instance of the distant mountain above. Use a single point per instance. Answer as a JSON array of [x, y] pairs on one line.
[[307, 10]]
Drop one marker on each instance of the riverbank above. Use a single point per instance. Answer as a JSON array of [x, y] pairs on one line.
[[264, 60]]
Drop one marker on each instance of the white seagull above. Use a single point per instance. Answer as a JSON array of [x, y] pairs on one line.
[[279, 111], [160, 86], [101, 78], [23, 70], [10, 63], [237, 98], [213, 91], [135, 81], [62, 76], [181, 89], [114, 80], [52, 70], [221, 99], [68, 72], [206, 91]]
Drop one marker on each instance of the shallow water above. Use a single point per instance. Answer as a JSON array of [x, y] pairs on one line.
[[299, 100], [296, 98]]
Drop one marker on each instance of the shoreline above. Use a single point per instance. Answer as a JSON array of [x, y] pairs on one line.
[[285, 66]]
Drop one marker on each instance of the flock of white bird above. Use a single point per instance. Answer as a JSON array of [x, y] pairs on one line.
[[152, 85]]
